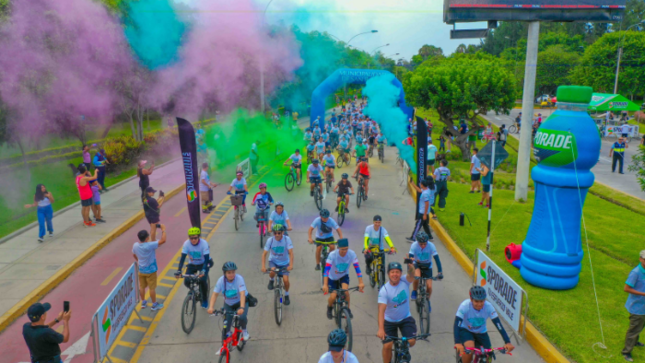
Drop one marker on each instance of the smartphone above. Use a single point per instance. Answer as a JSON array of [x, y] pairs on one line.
[[408, 260], [65, 306], [158, 225]]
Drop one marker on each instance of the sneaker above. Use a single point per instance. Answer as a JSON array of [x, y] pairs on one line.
[[156, 306], [41, 240], [480, 203], [270, 285], [479, 191], [351, 316], [205, 211], [487, 206], [205, 304], [639, 344], [317, 268], [628, 357], [430, 238], [89, 224], [286, 300], [434, 216], [101, 220], [471, 192], [311, 194], [246, 335], [51, 234], [329, 313], [144, 304], [414, 295], [409, 239]]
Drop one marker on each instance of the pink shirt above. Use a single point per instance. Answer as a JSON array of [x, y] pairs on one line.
[[85, 191], [86, 157]]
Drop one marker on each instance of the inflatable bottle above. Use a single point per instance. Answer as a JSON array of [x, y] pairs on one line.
[[566, 147]]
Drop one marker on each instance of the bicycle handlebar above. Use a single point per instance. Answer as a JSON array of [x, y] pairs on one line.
[[418, 337], [276, 270], [355, 288], [223, 312], [483, 351]]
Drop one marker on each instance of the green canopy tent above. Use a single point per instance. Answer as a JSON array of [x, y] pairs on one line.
[[609, 102]]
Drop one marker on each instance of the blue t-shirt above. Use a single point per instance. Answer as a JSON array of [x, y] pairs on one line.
[[279, 250], [320, 147], [463, 128], [337, 266], [329, 159], [476, 164], [238, 185], [426, 196], [636, 280], [432, 151], [197, 252], [308, 135], [231, 289], [423, 255], [475, 320], [146, 255], [344, 144], [314, 172], [397, 299], [279, 218], [324, 229], [381, 139], [311, 147]]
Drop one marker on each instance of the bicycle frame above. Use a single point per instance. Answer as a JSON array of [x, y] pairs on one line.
[[481, 355], [234, 339], [401, 347], [340, 301]]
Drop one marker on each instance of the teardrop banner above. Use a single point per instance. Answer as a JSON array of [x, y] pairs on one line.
[[189, 158]]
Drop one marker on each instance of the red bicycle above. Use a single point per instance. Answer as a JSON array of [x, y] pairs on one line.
[[232, 340], [482, 355]]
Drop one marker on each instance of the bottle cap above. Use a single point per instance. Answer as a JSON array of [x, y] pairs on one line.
[[574, 94]]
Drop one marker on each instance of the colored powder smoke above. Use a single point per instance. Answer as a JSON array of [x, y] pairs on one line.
[[382, 107]]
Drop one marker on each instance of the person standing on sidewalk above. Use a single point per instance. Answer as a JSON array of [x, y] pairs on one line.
[[618, 152], [143, 174], [254, 157], [152, 208], [487, 178], [43, 341], [502, 134], [425, 200], [441, 175], [635, 286], [432, 155], [87, 158], [96, 201], [475, 172], [99, 163], [85, 192], [205, 191], [43, 200], [146, 257]]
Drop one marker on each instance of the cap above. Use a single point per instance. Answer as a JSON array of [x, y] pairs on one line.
[[143, 162], [343, 242], [37, 310], [150, 190], [643, 254]]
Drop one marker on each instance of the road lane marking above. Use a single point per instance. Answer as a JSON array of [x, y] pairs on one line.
[[181, 211], [165, 285], [111, 276], [126, 344]]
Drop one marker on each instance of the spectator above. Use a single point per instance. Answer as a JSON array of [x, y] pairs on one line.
[[432, 155], [635, 286], [43, 341], [146, 257], [85, 192], [486, 180], [99, 162], [502, 134], [43, 200], [254, 157], [87, 158], [143, 174], [96, 201], [152, 208], [205, 191], [463, 127], [441, 175], [442, 143], [426, 190], [617, 153], [475, 172]]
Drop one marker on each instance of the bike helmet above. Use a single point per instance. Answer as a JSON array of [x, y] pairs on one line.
[[477, 293], [297, 150], [279, 204], [278, 227], [337, 338], [324, 213], [394, 266], [194, 231], [377, 218], [345, 176], [239, 172], [328, 151], [315, 161], [262, 185], [422, 237], [229, 266]]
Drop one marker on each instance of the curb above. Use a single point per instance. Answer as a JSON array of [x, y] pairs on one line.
[[21, 307], [534, 337]]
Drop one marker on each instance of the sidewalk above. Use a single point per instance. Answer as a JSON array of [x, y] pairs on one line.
[[25, 263]]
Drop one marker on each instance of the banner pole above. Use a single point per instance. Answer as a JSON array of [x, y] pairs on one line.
[[490, 201]]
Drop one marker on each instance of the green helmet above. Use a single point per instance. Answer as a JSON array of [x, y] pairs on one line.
[[194, 231], [278, 227]]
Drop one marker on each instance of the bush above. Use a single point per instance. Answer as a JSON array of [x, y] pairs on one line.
[[121, 151]]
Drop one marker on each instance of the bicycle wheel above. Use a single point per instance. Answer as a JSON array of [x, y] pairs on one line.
[[371, 152], [373, 275], [277, 306], [346, 325], [224, 357], [341, 217], [328, 185], [424, 316], [381, 281], [289, 181], [359, 197], [261, 231], [318, 198], [240, 342], [188, 313], [237, 217], [512, 129]]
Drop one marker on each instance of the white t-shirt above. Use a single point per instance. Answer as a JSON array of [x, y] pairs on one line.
[[329, 159], [423, 255], [339, 265], [196, 253], [397, 299], [426, 196], [376, 237], [233, 289], [279, 250], [145, 252], [473, 320], [238, 185], [204, 177], [348, 357], [296, 158], [625, 129], [324, 229], [279, 218], [315, 171], [476, 164]]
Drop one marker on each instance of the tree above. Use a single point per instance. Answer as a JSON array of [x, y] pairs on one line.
[[554, 67], [461, 87], [638, 166], [429, 51], [131, 88]]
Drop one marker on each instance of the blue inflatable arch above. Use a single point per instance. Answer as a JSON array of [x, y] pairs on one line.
[[344, 76]]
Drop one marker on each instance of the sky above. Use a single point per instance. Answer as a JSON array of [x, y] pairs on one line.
[[405, 24]]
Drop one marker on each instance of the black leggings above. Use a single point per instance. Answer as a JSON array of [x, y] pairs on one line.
[[418, 223]]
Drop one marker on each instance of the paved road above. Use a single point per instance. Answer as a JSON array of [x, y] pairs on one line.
[[626, 183], [302, 335]]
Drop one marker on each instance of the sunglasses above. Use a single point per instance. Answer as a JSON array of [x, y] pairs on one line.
[[278, 233], [196, 237]]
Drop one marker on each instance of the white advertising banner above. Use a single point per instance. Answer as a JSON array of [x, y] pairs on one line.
[[115, 311], [504, 293]]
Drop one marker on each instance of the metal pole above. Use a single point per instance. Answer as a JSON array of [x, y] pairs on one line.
[[490, 201], [524, 155], [620, 53]]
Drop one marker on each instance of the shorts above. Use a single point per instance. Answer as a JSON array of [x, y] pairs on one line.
[[284, 273], [87, 202], [97, 202], [330, 166], [328, 239], [326, 143], [426, 272], [479, 339], [475, 177], [338, 284], [315, 179], [148, 280], [366, 177], [152, 219], [346, 151], [205, 196], [299, 166], [486, 188], [407, 326], [431, 162]]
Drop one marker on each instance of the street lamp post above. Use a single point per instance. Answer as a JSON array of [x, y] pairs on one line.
[[347, 45], [620, 52], [374, 52]]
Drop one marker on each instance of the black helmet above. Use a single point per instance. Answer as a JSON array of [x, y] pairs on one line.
[[377, 218], [315, 161], [477, 293], [229, 266], [422, 237], [337, 338], [345, 176], [324, 213], [394, 266]]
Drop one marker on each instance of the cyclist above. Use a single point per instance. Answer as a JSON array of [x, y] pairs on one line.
[[199, 260], [235, 298], [281, 256], [310, 150], [336, 274], [518, 122], [337, 353], [314, 175], [343, 187], [279, 216], [422, 253], [329, 161], [296, 160], [394, 308], [325, 227], [308, 135], [320, 149], [334, 135], [239, 183], [470, 324], [375, 234], [343, 148], [325, 138], [363, 171], [262, 200], [316, 131]]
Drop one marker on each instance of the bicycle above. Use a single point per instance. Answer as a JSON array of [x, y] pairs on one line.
[[237, 201], [232, 340], [262, 224], [343, 158], [324, 253], [328, 180], [370, 151], [278, 294], [377, 273], [310, 156], [318, 195], [291, 179], [481, 355], [360, 195], [342, 209], [189, 307], [381, 152], [401, 349], [341, 313], [423, 305]]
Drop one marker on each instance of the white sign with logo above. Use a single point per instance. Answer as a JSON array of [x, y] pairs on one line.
[[115, 311], [504, 293]]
